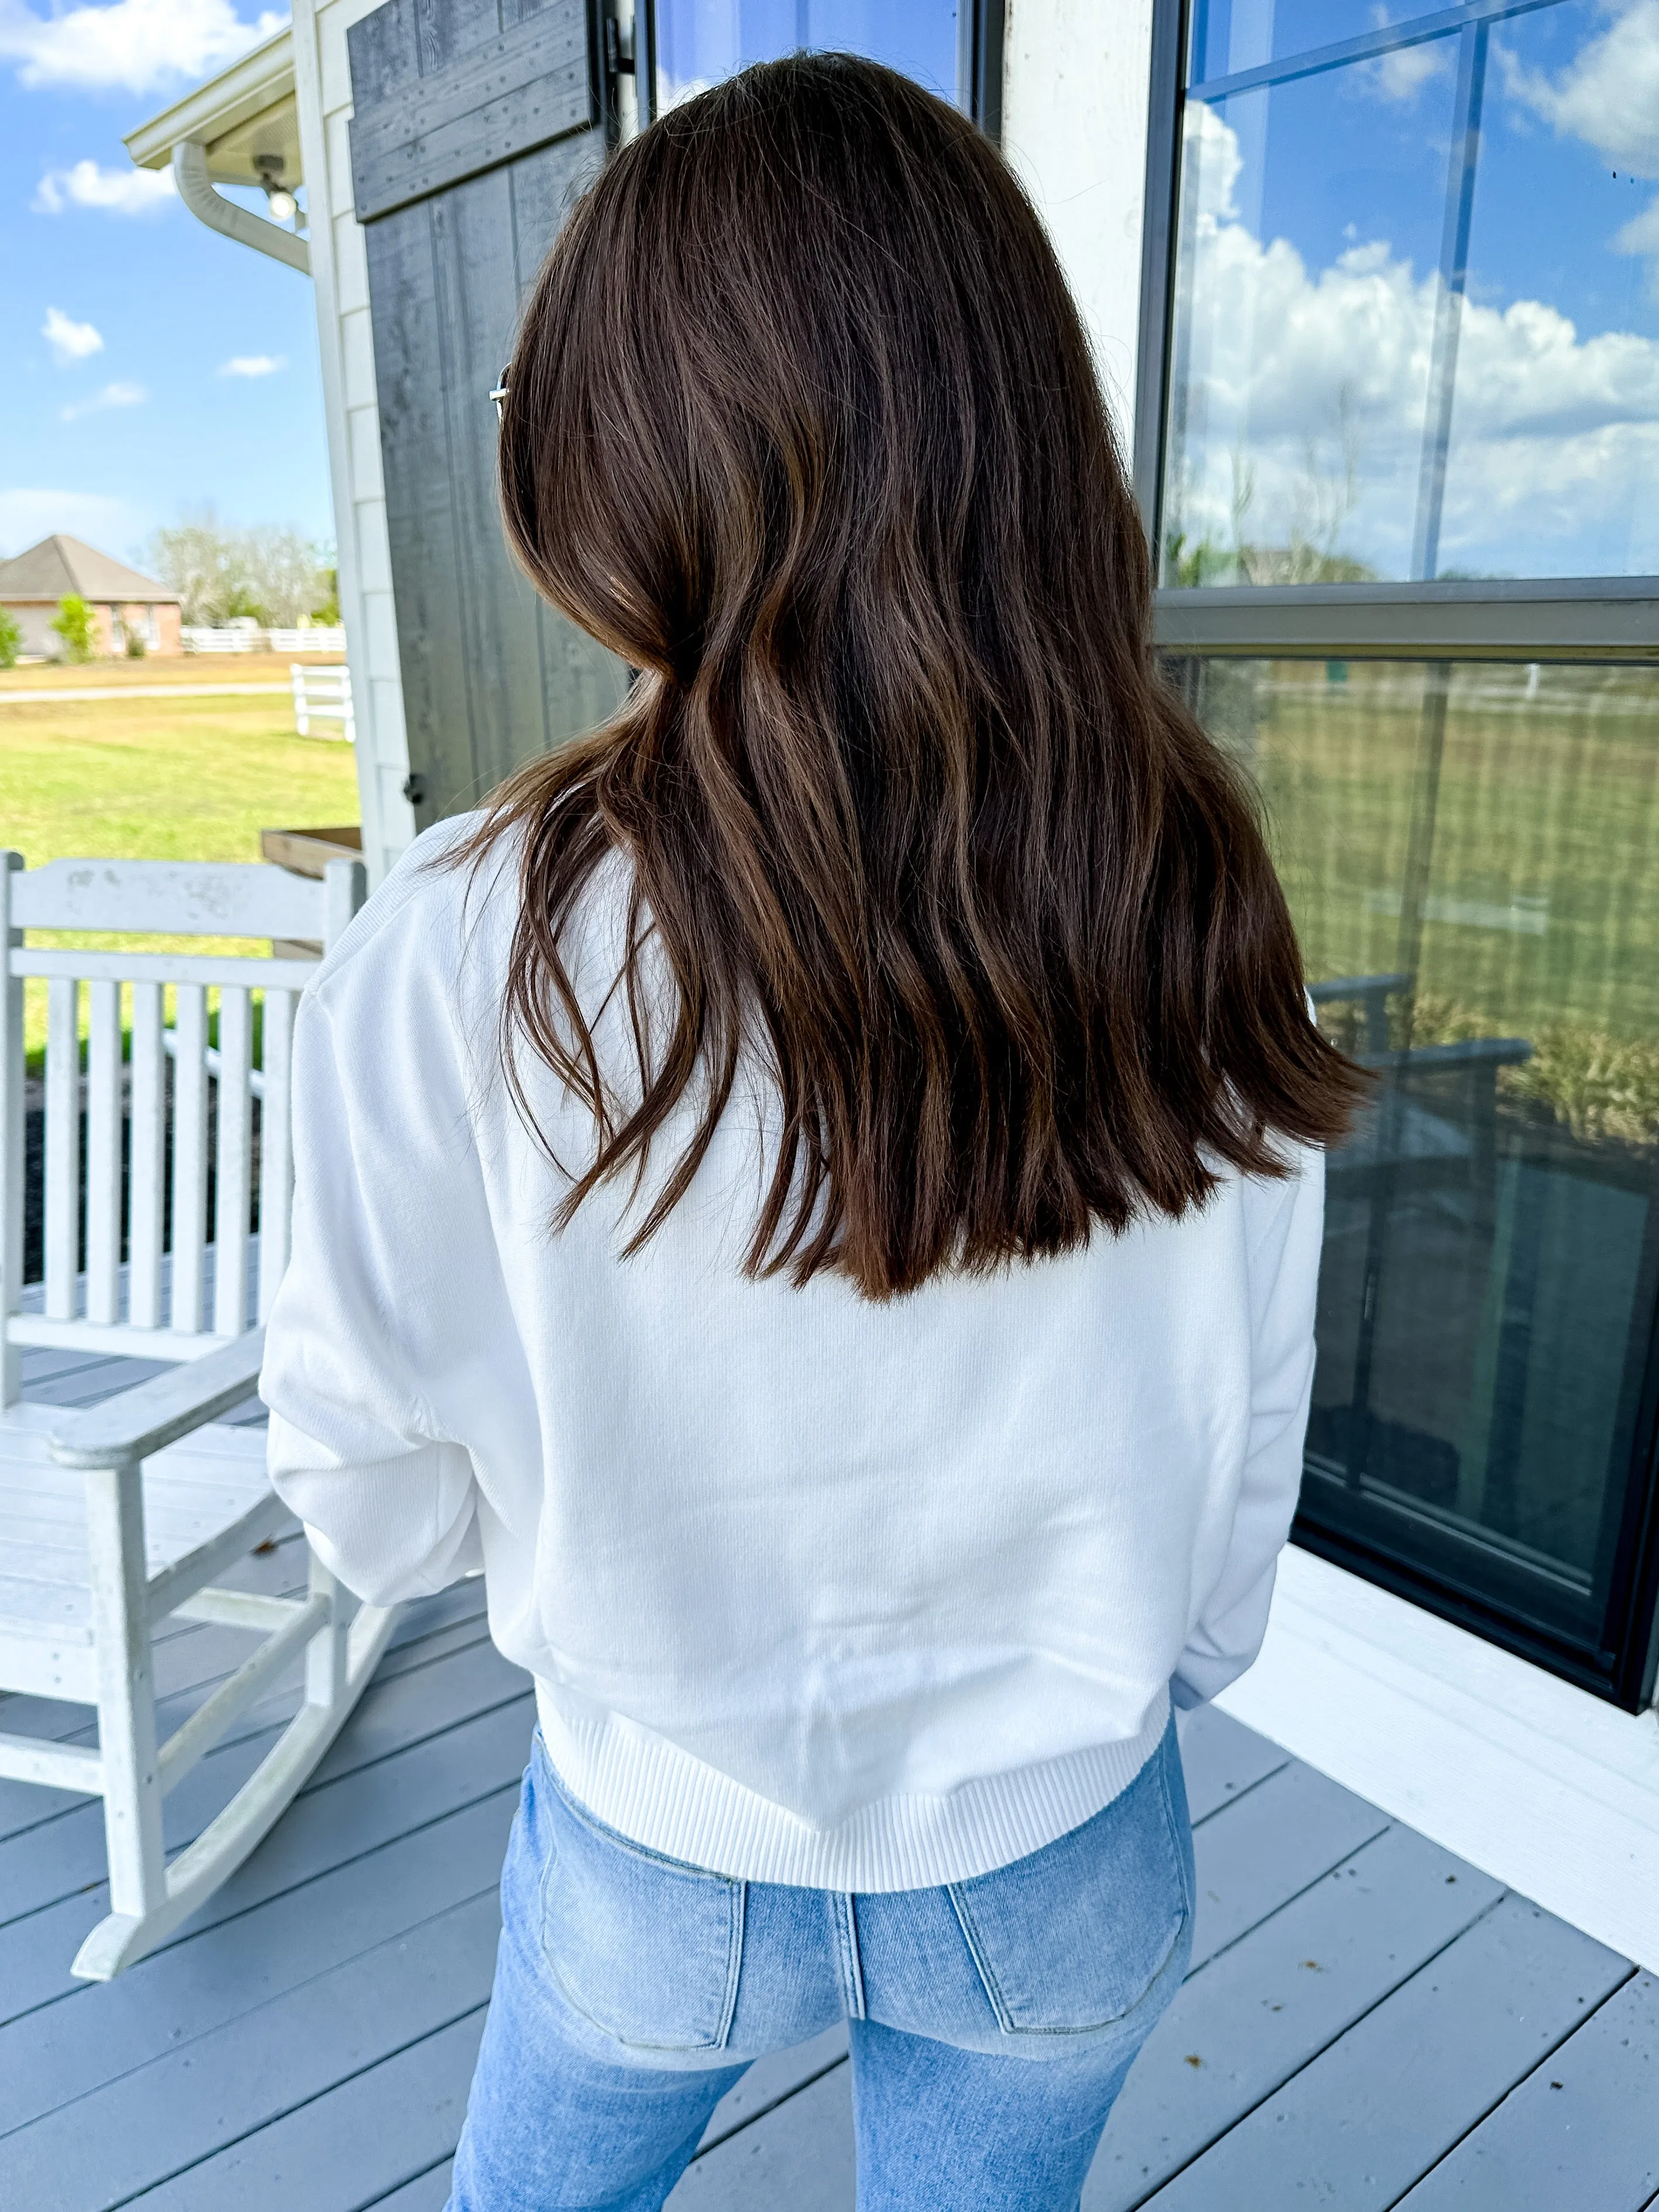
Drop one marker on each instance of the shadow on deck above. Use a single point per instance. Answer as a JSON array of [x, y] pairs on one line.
[[1369, 2022]]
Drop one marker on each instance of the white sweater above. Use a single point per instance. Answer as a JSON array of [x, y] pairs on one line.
[[814, 1590]]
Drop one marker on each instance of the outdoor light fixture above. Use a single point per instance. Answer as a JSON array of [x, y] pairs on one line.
[[282, 202]]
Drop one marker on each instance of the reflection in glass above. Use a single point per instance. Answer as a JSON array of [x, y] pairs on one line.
[[699, 41], [1468, 855], [1228, 36], [1416, 313]]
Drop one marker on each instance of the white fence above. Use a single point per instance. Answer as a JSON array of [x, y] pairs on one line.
[[323, 694], [246, 639]]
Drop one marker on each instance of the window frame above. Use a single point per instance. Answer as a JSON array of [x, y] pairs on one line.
[[980, 26], [1531, 618], [1591, 620]]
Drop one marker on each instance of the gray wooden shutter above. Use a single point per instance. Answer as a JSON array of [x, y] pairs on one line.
[[476, 123]]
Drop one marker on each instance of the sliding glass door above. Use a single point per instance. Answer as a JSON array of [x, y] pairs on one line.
[[1398, 441]]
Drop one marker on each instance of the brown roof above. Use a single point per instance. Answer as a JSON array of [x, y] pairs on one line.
[[59, 566]]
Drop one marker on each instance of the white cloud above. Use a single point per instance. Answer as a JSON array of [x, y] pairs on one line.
[[113, 395], [28, 515], [1402, 75], [1608, 94], [253, 364], [117, 192], [1641, 235], [1307, 390], [134, 46], [70, 340]]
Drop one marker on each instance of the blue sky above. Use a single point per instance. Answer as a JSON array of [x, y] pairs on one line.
[[1312, 236], [697, 43], [109, 440]]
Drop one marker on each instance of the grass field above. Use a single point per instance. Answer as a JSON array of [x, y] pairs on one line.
[[159, 779], [1507, 855]]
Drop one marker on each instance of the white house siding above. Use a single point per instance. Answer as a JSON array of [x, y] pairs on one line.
[[1076, 75], [339, 270]]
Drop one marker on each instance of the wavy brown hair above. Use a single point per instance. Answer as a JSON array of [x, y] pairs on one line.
[[802, 422]]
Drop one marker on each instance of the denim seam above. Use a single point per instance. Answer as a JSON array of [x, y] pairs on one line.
[[847, 1926], [982, 1964], [1005, 2020], [734, 1963], [1188, 1880], [733, 1956], [849, 1978]]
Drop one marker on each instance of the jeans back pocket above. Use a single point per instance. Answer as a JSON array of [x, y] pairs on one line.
[[646, 1948], [1072, 1938]]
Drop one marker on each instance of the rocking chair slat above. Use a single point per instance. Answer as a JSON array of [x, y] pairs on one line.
[[189, 1155], [63, 1146], [147, 1154], [231, 1193], [234, 1695], [276, 1146], [56, 1766], [104, 1151], [142, 1421]]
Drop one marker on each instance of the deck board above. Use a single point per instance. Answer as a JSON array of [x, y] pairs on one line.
[[427, 2192], [1381, 2105], [1243, 2025], [1375, 2024], [197, 1988], [1581, 2131], [325, 1828], [357, 2142]]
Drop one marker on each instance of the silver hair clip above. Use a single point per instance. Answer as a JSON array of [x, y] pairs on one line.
[[500, 393]]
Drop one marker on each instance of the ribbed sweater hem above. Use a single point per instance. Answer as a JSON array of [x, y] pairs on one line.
[[661, 1798]]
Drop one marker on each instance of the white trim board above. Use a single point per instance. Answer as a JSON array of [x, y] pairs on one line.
[[1545, 1788]]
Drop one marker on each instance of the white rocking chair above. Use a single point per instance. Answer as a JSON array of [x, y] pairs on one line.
[[112, 1518]]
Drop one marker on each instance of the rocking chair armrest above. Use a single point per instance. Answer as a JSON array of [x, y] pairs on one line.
[[126, 1428]]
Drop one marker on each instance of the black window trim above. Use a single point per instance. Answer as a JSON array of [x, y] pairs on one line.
[[1532, 618]]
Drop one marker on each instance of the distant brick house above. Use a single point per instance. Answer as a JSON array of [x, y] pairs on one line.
[[123, 603]]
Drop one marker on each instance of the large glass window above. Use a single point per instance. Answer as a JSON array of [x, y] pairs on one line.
[[1397, 434], [1414, 325], [1468, 849], [699, 41]]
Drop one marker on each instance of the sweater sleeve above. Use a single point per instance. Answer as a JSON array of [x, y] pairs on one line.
[[387, 1200], [1284, 1268]]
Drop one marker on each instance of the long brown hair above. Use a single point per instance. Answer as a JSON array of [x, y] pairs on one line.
[[802, 422]]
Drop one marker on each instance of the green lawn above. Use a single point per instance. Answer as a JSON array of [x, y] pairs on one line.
[[161, 779], [1532, 832]]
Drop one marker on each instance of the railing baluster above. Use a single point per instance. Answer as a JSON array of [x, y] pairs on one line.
[[276, 1147], [230, 1205], [147, 1167], [104, 1151], [189, 1155], [63, 1146]]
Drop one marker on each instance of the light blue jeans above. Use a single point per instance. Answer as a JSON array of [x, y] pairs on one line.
[[992, 2022]]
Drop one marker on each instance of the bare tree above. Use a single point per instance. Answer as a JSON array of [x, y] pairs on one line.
[[278, 576]]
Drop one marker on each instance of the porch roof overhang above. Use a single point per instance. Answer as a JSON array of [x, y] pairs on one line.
[[241, 127]]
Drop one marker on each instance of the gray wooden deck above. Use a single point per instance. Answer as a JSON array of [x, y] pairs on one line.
[[1368, 2021]]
